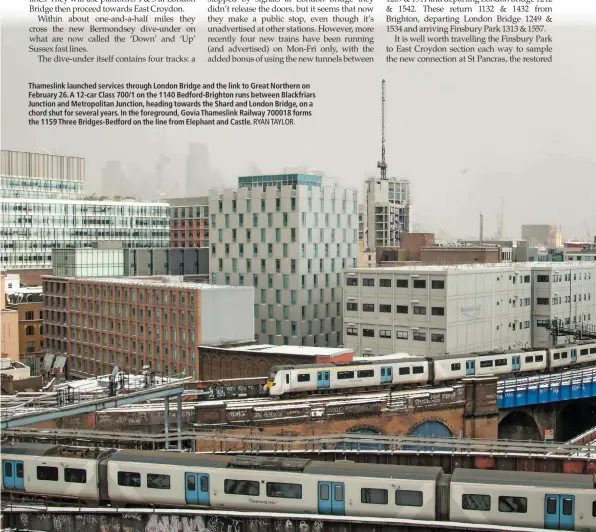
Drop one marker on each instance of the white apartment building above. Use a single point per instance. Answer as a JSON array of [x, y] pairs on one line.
[[290, 237], [387, 212], [562, 291], [433, 310]]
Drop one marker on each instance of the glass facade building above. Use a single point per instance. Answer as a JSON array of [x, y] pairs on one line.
[[31, 228], [282, 179]]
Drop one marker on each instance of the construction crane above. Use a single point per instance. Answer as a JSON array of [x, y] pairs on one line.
[[382, 164]]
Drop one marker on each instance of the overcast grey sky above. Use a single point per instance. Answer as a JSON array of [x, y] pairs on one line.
[[465, 135]]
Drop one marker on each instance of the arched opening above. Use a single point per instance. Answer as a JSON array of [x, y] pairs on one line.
[[519, 426], [29, 330], [575, 418], [361, 446], [431, 430]]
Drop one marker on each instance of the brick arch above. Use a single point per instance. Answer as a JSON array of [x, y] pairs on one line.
[[357, 428], [262, 368], [224, 367], [431, 419], [236, 368], [519, 424], [249, 369], [215, 366]]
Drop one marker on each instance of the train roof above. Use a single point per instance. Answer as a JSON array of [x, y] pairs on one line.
[[345, 468], [377, 361], [488, 354], [515, 478], [28, 449], [167, 458]]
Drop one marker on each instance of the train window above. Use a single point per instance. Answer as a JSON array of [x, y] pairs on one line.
[[241, 487], [551, 506], [556, 356], [513, 504], [408, 498], [204, 483], [529, 359], [287, 378], [472, 501], [564, 354], [8, 469], [501, 362], [567, 506], [373, 496], [455, 367], [345, 374], [190, 483], [594, 509], [284, 491], [539, 358], [366, 373], [127, 478], [592, 350], [20, 471], [418, 369], [303, 377], [158, 482], [338, 493], [47, 473], [486, 364], [324, 492], [404, 371], [75, 475], [583, 352]]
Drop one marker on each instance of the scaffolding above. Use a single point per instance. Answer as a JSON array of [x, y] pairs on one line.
[[580, 331]]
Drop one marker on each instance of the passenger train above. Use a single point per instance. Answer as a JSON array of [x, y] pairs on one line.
[[401, 369], [273, 485]]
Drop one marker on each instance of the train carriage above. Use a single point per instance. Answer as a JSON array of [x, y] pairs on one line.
[[555, 501]]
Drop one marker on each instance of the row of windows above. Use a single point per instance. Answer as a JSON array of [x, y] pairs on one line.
[[559, 300], [399, 335], [558, 278], [399, 309], [48, 473], [399, 283]]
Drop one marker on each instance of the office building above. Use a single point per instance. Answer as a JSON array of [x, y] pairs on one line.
[[387, 212], [100, 323], [580, 251], [189, 222], [111, 260], [433, 310], [289, 237], [563, 292], [542, 235]]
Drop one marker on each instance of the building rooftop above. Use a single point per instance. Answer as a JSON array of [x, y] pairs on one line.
[[87, 202], [295, 350], [467, 267], [163, 281], [188, 202]]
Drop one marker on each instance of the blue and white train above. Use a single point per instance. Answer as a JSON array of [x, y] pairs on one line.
[[279, 485], [403, 370]]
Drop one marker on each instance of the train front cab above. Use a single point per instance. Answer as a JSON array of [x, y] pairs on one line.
[[197, 489], [13, 476], [332, 498], [559, 512]]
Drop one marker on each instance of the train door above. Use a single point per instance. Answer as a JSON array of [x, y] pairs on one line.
[[13, 476], [323, 379], [332, 498], [573, 356], [386, 374], [559, 512], [515, 363], [470, 367], [197, 489]]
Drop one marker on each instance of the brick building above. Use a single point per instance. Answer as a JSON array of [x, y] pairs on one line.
[[460, 255], [29, 308], [189, 222], [9, 324], [99, 323]]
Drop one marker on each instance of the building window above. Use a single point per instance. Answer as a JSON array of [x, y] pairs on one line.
[[352, 331], [401, 283], [385, 333], [401, 309], [435, 337], [438, 311], [29, 330], [29, 315], [420, 336], [368, 307], [420, 311], [438, 285], [368, 333], [542, 301], [385, 283], [419, 283], [384, 308], [368, 282], [352, 306], [543, 278], [401, 335], [352, 281]]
